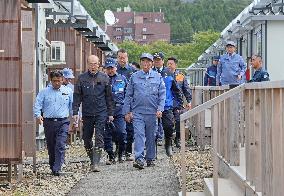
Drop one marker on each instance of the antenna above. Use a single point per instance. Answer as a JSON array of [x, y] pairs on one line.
[[109, 18]]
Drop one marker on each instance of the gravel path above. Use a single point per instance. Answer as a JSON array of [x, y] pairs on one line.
[[122, 179]]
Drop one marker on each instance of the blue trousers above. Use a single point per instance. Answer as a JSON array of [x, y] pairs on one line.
[[118, 135], [145, 126], [56, 135], [160, 130]]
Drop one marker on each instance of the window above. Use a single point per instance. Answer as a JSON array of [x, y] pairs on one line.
[[130, 21], [144, 29], [157, 20], [128, 37], [144, 37], [127, 30], [118, 29], [117, 37]]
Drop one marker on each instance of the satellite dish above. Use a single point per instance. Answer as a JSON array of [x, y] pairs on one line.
[[109, 17]]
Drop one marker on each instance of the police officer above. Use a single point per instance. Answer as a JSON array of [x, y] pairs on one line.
[[172, 90], [231, 69], [144, 103], [211, 72], [93, 90], [260, 73], [116, 131], [55, 103], [126, 70], [183, 85], [68, 77]]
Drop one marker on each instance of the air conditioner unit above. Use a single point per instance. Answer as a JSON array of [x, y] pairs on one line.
[[57, 51]]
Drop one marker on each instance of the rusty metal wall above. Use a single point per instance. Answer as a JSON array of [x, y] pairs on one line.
[[87, 49], [79, 54], [29, 81], [10, 82], [67, 35]]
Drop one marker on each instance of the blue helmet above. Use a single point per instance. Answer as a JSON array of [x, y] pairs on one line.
[[67, 73]]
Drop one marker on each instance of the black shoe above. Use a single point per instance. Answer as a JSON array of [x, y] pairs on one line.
[[111, 159], [138, 164], [121, 158], [177, 142], [129, 157], [55, 173], [150, 163]]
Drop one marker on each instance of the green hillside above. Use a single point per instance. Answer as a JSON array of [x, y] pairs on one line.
[[185, 18]]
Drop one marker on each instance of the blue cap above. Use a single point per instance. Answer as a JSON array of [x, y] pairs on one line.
[[110, 62], [147, 56], [231, 43], [216, 58], [67, 73], [159, 55]]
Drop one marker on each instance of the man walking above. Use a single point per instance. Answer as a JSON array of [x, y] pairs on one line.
[[126, 70], [144, 103], [52, 108], [172, 91], [184, 87], [117, 131], [93, 90]]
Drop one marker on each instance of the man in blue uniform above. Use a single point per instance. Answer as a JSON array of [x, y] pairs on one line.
[[68, 77], [93, 90], [172, 90], [211, 72], [231, 69], [126, 70], [117, 131], [144, 103], [260, 73], [158, 65], [183, 85], [52, 108]]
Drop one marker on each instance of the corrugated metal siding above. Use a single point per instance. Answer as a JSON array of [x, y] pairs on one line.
[[67, 35], [29, 82], [79, 54], [86, 52], [10, 82]]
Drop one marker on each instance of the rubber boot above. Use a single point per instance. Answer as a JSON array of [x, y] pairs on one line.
[[111, 158], [96, 157], [168, 147], [91, 156]]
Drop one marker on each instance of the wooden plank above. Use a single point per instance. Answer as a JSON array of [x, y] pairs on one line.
[[183, 166], [257, 142], [225, 130], [265, 85], [247, 131], [212, 102], [277, 143], [222, 129], [251, 137], [215, 128], [263, 129], [242, 121], [233, 120], [268, 160]]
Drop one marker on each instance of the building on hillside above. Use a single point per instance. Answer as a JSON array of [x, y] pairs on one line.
[[258, 29], [142, 27]]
